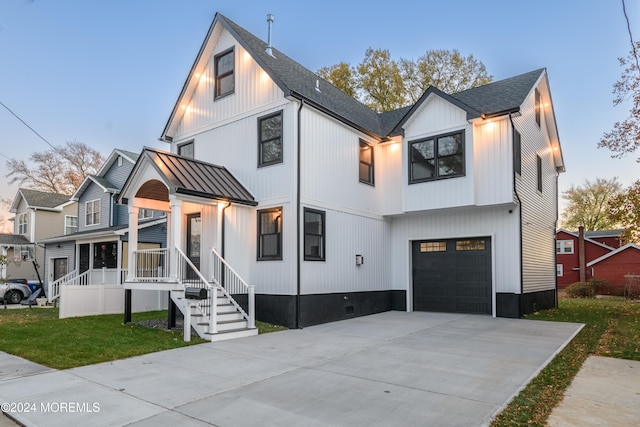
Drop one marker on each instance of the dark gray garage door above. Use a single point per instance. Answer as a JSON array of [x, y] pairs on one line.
[[452, 275]]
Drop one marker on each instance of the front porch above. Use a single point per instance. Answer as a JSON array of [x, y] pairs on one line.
[[214, 299]]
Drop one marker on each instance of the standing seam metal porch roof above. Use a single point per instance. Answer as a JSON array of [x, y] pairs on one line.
[[196, 178]]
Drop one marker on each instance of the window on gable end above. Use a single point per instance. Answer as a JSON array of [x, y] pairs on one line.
[[186, 150], [270, 139], [517, 152], [23, 223], [366, 171], [436, 157], [92, 212], [539, 170], [224, 73], [538, 107]]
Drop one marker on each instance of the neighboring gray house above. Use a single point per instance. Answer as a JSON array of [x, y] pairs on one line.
[[38, 215], [331, 210], [93, 254]]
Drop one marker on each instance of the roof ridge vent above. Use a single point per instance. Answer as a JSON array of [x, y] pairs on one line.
[[268, 49]]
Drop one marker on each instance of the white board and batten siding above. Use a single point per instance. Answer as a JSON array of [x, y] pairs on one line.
[[493, 161], [436, 117], [539, 209]]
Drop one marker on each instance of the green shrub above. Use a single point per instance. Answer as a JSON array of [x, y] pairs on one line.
[[599, 286], [580, 290]]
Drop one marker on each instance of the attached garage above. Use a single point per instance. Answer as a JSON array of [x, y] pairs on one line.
[[452, 275]]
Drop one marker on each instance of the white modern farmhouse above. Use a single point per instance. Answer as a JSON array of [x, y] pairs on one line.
[[276, 182]]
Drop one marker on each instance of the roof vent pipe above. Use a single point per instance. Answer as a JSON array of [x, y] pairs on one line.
[[270, 21]]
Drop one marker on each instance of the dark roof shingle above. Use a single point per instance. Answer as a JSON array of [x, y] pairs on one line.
[[41, 199]]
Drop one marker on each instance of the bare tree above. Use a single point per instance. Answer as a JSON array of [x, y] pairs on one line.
[[58, 170]]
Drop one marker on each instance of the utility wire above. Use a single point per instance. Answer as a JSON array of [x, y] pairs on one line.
[[27, 125], [8, 158]]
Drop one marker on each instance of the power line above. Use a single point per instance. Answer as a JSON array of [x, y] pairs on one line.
[[27, 125], [8, 158]]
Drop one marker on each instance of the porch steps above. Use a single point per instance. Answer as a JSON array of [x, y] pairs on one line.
[[230, 322]]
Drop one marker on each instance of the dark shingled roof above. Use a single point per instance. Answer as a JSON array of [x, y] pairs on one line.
[[500, 96], [193, 177], [40, 199], [13, 240], [297, 81], [102, 181]]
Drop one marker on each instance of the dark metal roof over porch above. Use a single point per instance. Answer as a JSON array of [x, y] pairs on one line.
[[183, 175]]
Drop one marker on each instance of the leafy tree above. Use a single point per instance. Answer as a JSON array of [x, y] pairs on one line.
[[380, 79], [385, 84], [341, 76], [625, 210], [447, 70], [625, 136], [589, 205], [58, 170]]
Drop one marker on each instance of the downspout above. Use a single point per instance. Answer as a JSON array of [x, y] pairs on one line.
[[515, 191], [298, 216]]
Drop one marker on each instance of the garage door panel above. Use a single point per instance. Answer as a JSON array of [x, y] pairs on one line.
[[455, 280]]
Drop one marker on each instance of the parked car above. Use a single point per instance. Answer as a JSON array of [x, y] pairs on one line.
[[14, 291]]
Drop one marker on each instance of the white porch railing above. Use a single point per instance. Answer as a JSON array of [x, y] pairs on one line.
[[72, 278], [151, 264], [190, 276], [234, 287]]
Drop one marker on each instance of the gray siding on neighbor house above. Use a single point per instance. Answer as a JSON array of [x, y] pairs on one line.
[[117, 175], [94, 192], [66, 250]]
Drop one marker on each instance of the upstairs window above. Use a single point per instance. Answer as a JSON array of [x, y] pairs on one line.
[[517, 152], [22, 223], [145, 213], [224, 67], [366, 163], [436, 157], [314, 235], [270, 139], [186, 150], [538, 107], [539, 171], [564, 246], [70, 224], [92, 210], [270, 234]]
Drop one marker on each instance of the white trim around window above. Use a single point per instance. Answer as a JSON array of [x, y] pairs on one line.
[[564, 246], [70, 224], [559, 270], [23, 223], [92, 212]]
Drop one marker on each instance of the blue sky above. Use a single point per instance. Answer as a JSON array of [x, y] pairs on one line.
[[108, 72]]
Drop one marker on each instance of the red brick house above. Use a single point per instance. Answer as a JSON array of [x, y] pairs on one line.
[[612, 267], [567, 252]]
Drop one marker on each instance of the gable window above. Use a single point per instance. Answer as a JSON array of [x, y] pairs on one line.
[[119, 161], [559, 270], [314, 234], [270, 234], [224, 66], [270, 139], [92, 210], [436, 157], [366, 163], [186, 150], [517, 152], [23, 223], [564, 246], [538, 107], [70, 224], [539, 169]]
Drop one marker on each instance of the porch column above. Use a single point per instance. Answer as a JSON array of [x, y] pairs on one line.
[[175, 235], [133, 239]]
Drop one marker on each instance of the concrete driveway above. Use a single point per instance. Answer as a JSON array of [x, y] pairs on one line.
[[392, 368]]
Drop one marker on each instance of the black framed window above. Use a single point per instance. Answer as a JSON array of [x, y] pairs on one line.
[[539, 169], [270, 234], [538, 107], [436, 157], [270, 139], [314, 235], [517, 152], [224, 72], [186, 150], [366, 163]]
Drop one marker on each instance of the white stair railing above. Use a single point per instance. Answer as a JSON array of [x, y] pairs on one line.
[[234, 286], [72, 278]]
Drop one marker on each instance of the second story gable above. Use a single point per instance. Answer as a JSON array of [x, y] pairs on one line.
[[40, 214]]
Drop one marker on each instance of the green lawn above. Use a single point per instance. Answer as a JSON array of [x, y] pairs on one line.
[[612, 328], [38, 335]]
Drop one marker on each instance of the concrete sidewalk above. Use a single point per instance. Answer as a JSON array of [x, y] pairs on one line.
[[392, 368], [606, 392]]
